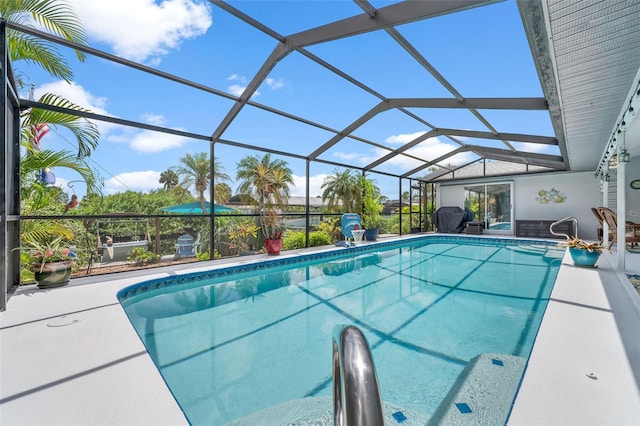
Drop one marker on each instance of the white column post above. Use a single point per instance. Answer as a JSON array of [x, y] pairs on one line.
[[605, 203], [621, 208]]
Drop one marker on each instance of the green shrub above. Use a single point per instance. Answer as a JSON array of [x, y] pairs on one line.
[[296, 239], [293, 240], [141, 256], [319, 238]]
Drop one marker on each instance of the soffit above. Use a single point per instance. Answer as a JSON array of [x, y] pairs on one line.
[[587, 54]]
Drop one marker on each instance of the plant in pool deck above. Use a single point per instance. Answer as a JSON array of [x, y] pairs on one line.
[[371, 205], [271, 225], [579, 243]]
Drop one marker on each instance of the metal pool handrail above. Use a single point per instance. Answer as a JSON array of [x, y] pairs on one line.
[[566, 219], [356, 395]]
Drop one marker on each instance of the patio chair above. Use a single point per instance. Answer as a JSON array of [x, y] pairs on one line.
[[187, 247], [351, 228], [632, 231], [600, 220]]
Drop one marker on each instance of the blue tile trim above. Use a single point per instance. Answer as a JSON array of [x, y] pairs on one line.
[[338, 253], [497, 362], [399, 417], [463, 407]]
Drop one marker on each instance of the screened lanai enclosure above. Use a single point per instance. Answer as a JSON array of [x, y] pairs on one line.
[[409, 94]]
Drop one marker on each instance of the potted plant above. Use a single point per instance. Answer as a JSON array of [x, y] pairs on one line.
[[51, 262], [584, 253], [272, 231], [371, 209]]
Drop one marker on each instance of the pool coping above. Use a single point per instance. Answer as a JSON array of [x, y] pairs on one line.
[[70, 355]]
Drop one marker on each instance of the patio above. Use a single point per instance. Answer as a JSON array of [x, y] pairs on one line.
[[70, 355]]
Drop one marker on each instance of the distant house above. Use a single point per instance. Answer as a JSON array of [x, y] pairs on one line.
[[244, 204]]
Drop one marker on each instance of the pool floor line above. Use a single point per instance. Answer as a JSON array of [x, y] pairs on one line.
[[382, 337]]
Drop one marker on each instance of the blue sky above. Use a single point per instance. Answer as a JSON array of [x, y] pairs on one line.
[[482, 52]]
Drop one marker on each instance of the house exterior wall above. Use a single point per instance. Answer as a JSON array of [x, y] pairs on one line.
[[549, 196]]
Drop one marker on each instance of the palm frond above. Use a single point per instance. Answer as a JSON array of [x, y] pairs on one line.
[[86, 132], [33, 50]]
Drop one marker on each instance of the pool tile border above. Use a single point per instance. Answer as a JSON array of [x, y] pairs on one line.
[[336, 253]]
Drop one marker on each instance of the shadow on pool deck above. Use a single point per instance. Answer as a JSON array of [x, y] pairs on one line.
[[70, 356]]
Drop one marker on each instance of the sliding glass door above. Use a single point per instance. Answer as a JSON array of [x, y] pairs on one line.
[[492, 205]]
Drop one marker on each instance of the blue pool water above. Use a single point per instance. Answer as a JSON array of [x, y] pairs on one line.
[[238, 340]]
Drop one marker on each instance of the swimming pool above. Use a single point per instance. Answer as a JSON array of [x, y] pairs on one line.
[[237, 340]]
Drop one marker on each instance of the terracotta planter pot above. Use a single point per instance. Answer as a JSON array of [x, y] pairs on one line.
[[584, 257], [53, 274], [273, 246]]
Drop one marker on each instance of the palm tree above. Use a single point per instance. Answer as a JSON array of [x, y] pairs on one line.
[[266, 180], [222, 193], [196, 173], [58, 18], [342, 187], [169, 179]]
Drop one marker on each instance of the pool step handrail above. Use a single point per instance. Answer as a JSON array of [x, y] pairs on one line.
[[566, 219], [356, 395]]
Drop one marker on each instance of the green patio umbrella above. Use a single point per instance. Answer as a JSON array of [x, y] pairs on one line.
[[197, 208]]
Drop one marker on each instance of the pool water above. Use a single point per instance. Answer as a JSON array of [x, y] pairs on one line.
[[231, 343]]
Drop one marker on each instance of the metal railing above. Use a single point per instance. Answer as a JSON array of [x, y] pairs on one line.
[[566, 219], [356, 395]]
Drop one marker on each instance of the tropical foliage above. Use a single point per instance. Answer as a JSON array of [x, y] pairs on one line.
[[56, 17], [579, 243], [265, 180], [56, 250], [371, 205], [342, 189], [169, 179], [195, 172]]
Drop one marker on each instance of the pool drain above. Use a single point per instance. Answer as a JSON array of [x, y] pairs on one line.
[[592, 376], [63, 321]]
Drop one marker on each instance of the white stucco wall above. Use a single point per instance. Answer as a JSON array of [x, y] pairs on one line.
[[579, 192]]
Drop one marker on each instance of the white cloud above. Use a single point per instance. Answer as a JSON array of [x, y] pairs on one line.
[[403, 138], [315, 185], [428, 149], [236, 90], [143, 30], [531, 147], [150, 142], [274, 84], [238, 78], [136, 181], [78, 95], [155, 119], [74, 93], [239, 88]]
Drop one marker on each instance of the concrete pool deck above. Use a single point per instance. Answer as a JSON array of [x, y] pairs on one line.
[[70, 356]]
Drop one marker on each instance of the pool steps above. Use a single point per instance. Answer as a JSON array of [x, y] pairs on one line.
[[483, 393], [318, 411]]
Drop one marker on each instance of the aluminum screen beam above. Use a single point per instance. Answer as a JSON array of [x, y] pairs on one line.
[[475, 103], [545, 160], [514, 137], [382, 106], [396, 14]]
